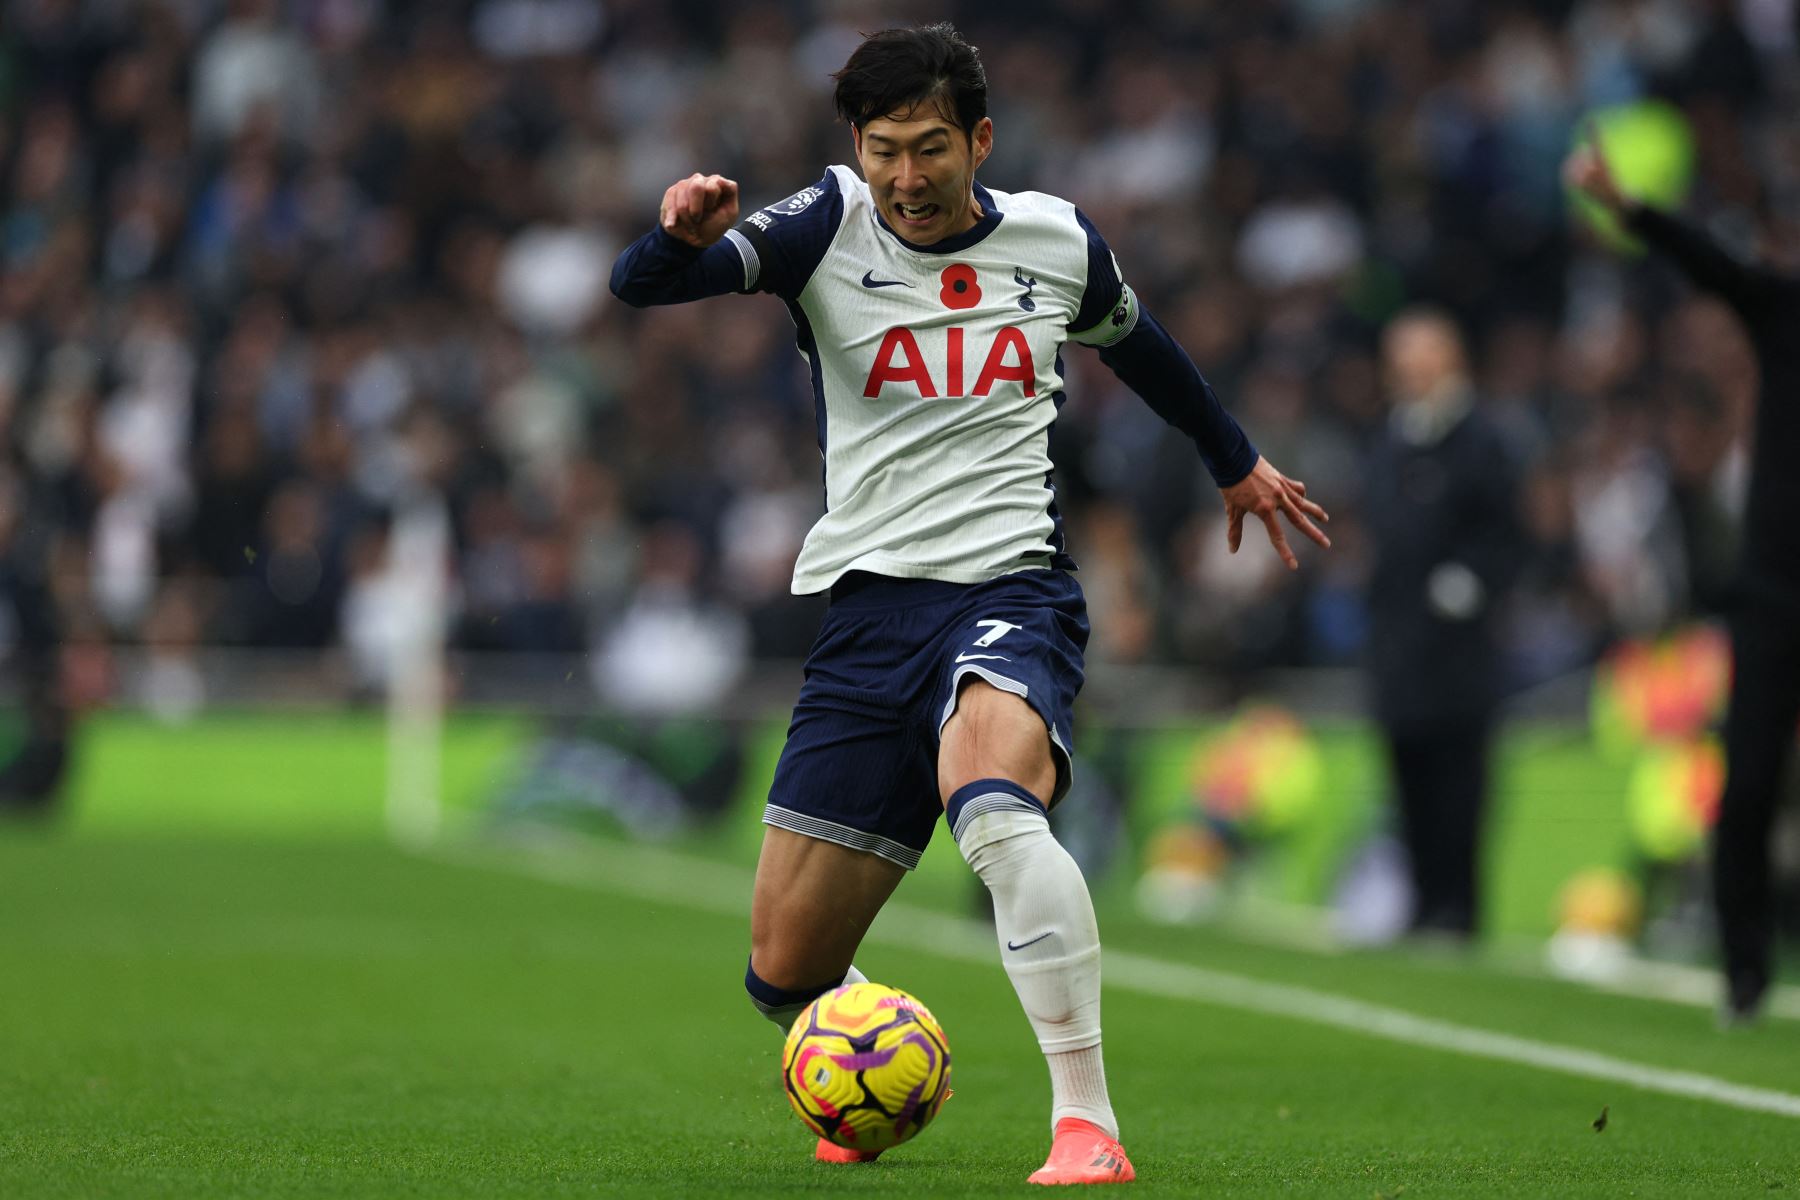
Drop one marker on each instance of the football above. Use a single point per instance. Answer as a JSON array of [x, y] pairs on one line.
[[866, 1066]]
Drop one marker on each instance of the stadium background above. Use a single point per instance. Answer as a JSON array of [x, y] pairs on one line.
[[272, 275], [269, 266], [274, 271]]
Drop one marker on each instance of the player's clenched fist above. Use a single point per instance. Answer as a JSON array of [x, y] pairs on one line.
[[700, 208]]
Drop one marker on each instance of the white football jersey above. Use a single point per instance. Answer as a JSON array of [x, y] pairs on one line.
[[936, 372]]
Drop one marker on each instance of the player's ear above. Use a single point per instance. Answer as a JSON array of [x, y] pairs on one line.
[[856, 141], [982, 140]]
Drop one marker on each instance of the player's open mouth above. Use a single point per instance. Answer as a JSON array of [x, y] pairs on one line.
[[916, 214]]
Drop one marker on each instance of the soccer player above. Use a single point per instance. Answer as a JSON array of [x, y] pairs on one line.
[[1765, 614], [933, 312]]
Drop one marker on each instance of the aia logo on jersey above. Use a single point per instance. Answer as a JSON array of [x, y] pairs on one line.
[[899, 359]]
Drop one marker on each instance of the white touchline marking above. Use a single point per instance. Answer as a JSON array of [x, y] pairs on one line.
[[1299, 927], [649, 873], [1647, 979]]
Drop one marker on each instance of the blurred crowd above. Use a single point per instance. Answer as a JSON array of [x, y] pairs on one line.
[[272, 274]]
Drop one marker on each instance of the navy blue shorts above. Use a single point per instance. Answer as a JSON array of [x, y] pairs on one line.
[[860, 764]]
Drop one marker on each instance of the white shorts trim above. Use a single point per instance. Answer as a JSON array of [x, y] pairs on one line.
[[1000, 681], [842, 835], [1065, 773]]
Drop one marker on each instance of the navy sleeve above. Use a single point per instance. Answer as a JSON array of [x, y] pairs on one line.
[[1108, 308], [1152, 364], [660, 268], [785, 241], [783, 244], [774, 249]]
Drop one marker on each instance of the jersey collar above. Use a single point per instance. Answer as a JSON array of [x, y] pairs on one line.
[[990, 220]]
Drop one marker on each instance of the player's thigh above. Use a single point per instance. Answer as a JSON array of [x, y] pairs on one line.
[[1010, 667], [813, 903], [994, 734]]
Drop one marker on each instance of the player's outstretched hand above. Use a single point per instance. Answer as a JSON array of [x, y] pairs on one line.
[[1587, 171], [1268, 494], [700, 208]]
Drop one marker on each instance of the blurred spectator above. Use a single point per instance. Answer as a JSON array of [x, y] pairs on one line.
[[1555, 622], [246, 247], [672, 650], [1441, 503], [254, 67]]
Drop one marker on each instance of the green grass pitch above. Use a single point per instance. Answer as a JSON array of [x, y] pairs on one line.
[[231, 1017], [217, 980]]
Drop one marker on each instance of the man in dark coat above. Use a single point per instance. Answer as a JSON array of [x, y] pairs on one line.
[[1764, 610], [31, 772], [1441, 505]]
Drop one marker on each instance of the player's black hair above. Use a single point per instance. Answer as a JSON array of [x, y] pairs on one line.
[[897, 70]]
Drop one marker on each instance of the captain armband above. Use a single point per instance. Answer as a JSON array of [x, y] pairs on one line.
[[1116, 326]]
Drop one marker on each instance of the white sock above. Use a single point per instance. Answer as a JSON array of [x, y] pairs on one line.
[[1049, 943], [1078, 1088]]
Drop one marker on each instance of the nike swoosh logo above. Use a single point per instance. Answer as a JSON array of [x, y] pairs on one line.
[[869, 281], [995, 657], [1034, 941]]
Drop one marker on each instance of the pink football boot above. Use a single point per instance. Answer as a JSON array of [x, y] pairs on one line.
[[1084, 1153], [831, 1152]]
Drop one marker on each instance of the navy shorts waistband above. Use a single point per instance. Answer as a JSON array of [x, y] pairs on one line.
[[865, 590]]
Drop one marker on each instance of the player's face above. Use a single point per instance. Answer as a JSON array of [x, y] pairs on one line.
[[921, 172]]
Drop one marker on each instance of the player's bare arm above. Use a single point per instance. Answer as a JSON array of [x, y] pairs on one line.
[[699, 209], [1268, 495]]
